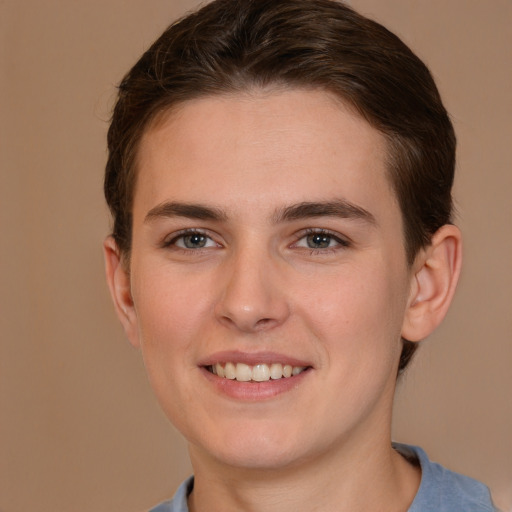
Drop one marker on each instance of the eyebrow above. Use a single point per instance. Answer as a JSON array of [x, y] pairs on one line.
[[189, 210], [336, 208]]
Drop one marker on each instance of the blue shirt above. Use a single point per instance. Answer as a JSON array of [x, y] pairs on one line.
[[441, 490]]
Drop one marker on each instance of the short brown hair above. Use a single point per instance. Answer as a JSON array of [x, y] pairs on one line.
[[234, 45]]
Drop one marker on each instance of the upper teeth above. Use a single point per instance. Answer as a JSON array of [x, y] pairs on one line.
[[259, 372]]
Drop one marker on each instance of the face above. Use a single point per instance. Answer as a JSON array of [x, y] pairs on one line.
[[267, 241]]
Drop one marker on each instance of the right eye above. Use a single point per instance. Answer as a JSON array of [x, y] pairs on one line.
[[191, 240]]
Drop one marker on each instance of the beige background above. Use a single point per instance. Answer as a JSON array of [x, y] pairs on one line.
[[79, 428]]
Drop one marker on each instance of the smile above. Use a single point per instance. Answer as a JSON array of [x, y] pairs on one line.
[[257, 373]]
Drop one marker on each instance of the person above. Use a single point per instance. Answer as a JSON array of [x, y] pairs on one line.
[[279, 177]]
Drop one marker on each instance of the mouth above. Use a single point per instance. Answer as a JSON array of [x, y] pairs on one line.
[[261, 372]]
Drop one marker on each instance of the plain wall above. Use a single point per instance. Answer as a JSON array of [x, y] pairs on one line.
[[79, 428]]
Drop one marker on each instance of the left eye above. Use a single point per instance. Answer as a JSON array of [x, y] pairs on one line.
[[194, 241], [320, 240]]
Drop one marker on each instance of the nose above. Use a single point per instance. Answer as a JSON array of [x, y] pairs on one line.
[[253, 298]]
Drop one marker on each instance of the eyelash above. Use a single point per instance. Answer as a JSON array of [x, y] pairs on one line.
[[181, 235], [342, 243]]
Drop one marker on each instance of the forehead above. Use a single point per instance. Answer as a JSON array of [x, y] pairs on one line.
[[272, 144]]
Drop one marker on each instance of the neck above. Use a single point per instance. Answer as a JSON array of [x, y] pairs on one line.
[[373, 477]]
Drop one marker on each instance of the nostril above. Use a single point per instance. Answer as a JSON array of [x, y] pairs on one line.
[[264, 323]]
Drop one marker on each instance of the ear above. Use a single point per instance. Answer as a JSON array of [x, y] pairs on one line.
[[118, 279], [436, 272]]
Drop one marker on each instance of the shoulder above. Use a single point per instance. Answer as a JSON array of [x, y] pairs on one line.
[[179, 501], [442, 490]]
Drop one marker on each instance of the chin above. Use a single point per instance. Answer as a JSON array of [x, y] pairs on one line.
[[258, 459], [253, 449]]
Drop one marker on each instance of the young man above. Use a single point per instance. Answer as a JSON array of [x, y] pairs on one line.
[[280, 178]]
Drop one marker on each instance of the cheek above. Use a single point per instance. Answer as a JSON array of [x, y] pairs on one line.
[[170, 310], [357, 309], [171, 320]]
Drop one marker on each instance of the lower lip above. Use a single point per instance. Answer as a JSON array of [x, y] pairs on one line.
[[254, 391]]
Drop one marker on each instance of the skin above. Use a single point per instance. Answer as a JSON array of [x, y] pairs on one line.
[[254, 284]]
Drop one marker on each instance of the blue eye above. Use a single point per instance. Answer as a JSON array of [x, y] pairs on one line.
[[191, 240], [318, 240], [194, 241]]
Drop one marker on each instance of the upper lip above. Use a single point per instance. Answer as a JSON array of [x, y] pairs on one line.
[[251, 359]]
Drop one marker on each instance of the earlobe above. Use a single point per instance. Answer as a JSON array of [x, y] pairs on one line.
[[437, 270], [118, 280]]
